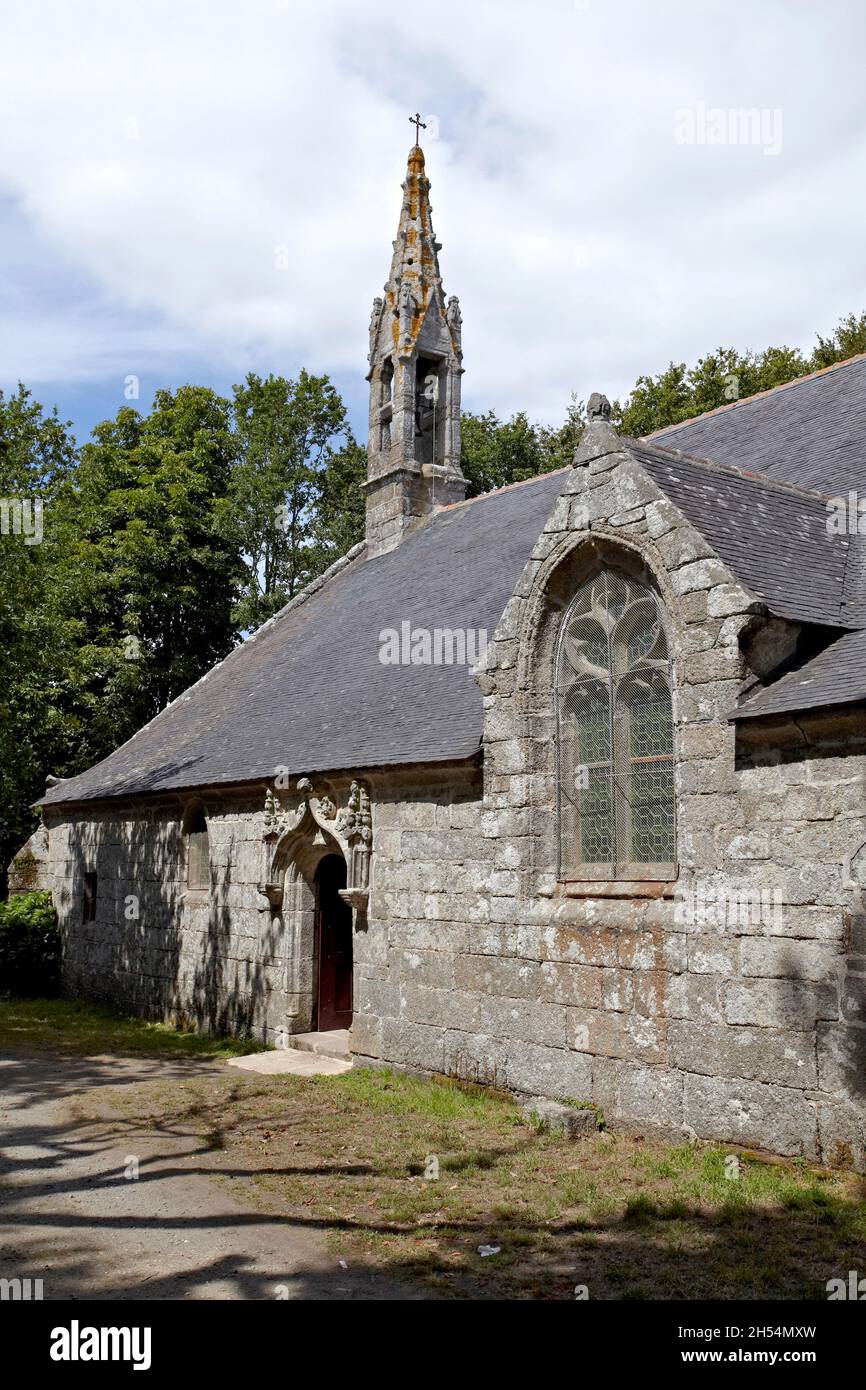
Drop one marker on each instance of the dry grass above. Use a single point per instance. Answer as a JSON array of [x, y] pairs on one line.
[[628, 1217], [72, 1027]]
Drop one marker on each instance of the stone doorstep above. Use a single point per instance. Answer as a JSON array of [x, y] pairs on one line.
[[292, 1061], [334, 1043]]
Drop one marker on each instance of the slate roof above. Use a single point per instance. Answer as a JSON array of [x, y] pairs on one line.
[[308, 692], [772, 535], [837, 676], [811, 432]]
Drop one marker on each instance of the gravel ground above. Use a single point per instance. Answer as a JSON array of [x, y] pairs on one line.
[[70, 1216]]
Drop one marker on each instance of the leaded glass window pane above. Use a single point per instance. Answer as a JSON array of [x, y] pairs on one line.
[[615, 730]]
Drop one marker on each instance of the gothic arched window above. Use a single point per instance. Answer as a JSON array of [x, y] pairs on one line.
[[615, 765], [197, 849]]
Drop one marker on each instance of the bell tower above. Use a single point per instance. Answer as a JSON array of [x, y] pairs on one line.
[[416, 362]]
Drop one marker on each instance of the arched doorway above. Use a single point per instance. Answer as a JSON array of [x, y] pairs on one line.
[[333, 946]]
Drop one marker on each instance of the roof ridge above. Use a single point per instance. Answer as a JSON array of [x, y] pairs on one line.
[[780, 484], [757, 395], [506, 487]]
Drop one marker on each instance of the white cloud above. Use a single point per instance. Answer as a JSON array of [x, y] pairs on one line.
[[159, 155]]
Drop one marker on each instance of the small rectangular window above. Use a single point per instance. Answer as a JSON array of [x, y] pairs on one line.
[[89, 913], [198, 875]]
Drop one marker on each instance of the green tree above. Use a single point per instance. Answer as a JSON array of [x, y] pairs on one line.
[[339, 511], [37, 456], [679, 392], [558, 445], [145, 581], [496, 452], [286, 435], [848, 340]]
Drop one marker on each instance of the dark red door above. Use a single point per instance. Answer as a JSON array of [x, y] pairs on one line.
[[334, 942]]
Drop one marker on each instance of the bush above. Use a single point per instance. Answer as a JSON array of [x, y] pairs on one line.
[[29, 946]]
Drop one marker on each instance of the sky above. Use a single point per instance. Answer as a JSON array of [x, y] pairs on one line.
[[194, 189]]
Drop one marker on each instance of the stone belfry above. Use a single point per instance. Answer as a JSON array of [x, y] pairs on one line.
[[413, 451]]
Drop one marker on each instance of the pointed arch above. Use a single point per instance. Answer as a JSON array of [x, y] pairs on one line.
[[614, 732]]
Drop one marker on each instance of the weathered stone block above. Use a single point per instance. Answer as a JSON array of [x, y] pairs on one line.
[[508, 979], [781, 958], [631, 1094], [413, 1044], [563, 983], [523, 1019], [560, 1119], [442, 1008], [842, 1060], [757, 1054], [549, 1071], [779, 1003], [616, 1035], [751, 1113]]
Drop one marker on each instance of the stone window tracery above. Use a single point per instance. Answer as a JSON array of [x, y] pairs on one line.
[[615, 765]]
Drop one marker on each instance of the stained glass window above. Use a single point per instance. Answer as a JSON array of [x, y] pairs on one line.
[[614, 732]]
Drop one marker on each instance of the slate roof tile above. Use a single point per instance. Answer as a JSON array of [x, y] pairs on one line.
[[772, 535], [308, 692], [837, 676], [811, 431]]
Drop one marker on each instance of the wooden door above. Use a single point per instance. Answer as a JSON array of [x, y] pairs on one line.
[[334, 946]]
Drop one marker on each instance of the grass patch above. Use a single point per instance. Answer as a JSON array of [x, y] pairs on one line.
[[412, 1176], [73, 1028]]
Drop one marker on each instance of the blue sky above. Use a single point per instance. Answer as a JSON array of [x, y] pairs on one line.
[[157, 161]]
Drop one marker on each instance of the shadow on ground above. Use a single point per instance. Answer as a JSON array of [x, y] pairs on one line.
[[71, 1215]]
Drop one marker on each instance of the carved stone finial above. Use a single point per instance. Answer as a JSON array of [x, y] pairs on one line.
[[407, 308], [305, 786], [598, 407], [273, 814], [375, 318], [599, 438], [454, 319]]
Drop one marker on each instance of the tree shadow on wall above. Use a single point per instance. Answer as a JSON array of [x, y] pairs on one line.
[[158, 949]]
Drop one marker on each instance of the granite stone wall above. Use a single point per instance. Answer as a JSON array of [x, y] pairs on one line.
[[727, 1004], [671, 1005], [212, 957]]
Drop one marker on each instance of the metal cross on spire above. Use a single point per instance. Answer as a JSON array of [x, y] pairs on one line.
[[416, 122]]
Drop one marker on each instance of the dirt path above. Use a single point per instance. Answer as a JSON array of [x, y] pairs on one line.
[[70, 1216]]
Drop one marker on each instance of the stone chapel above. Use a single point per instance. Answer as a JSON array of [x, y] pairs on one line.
[[593, 830]]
